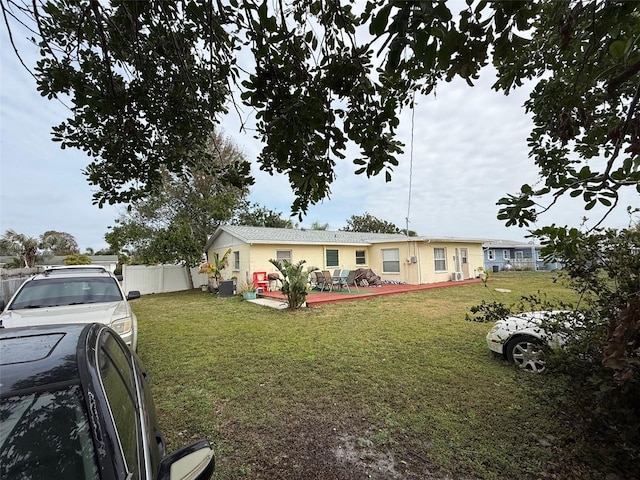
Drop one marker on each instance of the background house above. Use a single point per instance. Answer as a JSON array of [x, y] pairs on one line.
[[393, 257], [507, 255]]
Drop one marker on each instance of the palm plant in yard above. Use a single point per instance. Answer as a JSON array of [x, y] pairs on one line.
[[214, 269], [294, 282]]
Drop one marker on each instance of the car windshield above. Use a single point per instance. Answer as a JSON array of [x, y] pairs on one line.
[[46, 435], [55, 292]]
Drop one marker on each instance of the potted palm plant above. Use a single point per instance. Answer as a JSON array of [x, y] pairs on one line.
[[248, 291]]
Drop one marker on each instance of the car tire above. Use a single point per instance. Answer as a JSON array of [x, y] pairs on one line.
[[527, 353]]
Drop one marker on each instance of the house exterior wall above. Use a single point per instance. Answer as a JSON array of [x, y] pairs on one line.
[[429, 274], [255, 257], [415, 258], [524, 257], [494, 258], [375, 259]]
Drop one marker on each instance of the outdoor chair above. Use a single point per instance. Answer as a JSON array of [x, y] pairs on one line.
[[329, 281], [348, 277], [261, 281], [317, 280]]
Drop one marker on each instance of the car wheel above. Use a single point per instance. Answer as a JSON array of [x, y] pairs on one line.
[[526, 353]]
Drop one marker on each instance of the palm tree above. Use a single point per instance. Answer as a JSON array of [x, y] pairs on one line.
[[20, 245]]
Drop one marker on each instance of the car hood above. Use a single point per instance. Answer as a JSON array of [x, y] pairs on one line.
[[533, 319], [86, 313], [531, 323]]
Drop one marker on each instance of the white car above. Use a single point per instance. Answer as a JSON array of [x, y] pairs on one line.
[[519, 338], [82, 294]]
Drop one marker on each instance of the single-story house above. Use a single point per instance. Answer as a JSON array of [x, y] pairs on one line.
[[502, 255], [393, 257]]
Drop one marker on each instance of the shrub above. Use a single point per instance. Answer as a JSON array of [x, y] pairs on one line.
[[77, 259], [294, 282]]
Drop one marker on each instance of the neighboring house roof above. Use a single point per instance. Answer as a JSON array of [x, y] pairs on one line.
[[322, 237], [509, 244]]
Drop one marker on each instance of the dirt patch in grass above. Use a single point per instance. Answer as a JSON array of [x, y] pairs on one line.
[[348, 449]]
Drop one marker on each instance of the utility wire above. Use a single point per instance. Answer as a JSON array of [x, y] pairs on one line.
[[413, 115]]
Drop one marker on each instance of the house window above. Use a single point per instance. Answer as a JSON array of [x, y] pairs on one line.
[[332, 259], [283, 255], [491, 255], [519, 255], [361, 257], [505, 254], [440, 259], [236, 260], [391, 260]]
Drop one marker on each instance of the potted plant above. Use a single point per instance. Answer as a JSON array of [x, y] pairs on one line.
[[248, 291]]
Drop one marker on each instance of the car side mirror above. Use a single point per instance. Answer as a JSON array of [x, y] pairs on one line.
[[195, 461], [133, 294]]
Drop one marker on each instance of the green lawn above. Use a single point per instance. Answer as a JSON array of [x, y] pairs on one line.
[[396, 385]]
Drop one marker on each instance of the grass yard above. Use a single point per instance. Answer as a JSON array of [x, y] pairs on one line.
[[397, 386]]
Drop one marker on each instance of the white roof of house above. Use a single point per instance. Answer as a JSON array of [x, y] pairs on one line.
[[323, 237], [509, 244]]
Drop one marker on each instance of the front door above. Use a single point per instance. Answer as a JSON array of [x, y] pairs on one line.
[[464, 257]]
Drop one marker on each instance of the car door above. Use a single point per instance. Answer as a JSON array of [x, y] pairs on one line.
[[121, 388]]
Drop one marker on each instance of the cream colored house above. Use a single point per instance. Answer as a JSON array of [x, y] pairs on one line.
[[412, 260]]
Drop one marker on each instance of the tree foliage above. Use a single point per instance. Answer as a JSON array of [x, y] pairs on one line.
[[21, 246], [58, 243], [604, 267], [77, 259], [369, 223], [321, 74], [173, 225], [319, 226], [255, 215], [29, 250]]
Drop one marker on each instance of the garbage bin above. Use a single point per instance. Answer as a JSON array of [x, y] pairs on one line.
[[227, 288]]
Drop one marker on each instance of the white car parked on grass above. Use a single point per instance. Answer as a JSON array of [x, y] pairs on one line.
[[74, 294], [520, 339]]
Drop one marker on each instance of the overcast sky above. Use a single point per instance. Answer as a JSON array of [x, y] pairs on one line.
[[469, 150]]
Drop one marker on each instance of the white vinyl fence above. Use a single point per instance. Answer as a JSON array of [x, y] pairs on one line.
[[145, 279], [12, 278], [159, 278]]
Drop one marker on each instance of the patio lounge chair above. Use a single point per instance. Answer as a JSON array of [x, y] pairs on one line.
[[318, 280], [348, 277], [330, 281]]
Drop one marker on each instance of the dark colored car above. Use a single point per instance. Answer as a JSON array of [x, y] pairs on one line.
[[76, 404]]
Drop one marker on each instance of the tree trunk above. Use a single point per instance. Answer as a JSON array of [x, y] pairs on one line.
[[189, 277]]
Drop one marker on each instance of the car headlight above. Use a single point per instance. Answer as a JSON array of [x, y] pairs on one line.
[[122, 319], [495, 327], [122, 326]]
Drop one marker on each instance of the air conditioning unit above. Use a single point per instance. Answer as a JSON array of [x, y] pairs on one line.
[[456, 276]]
